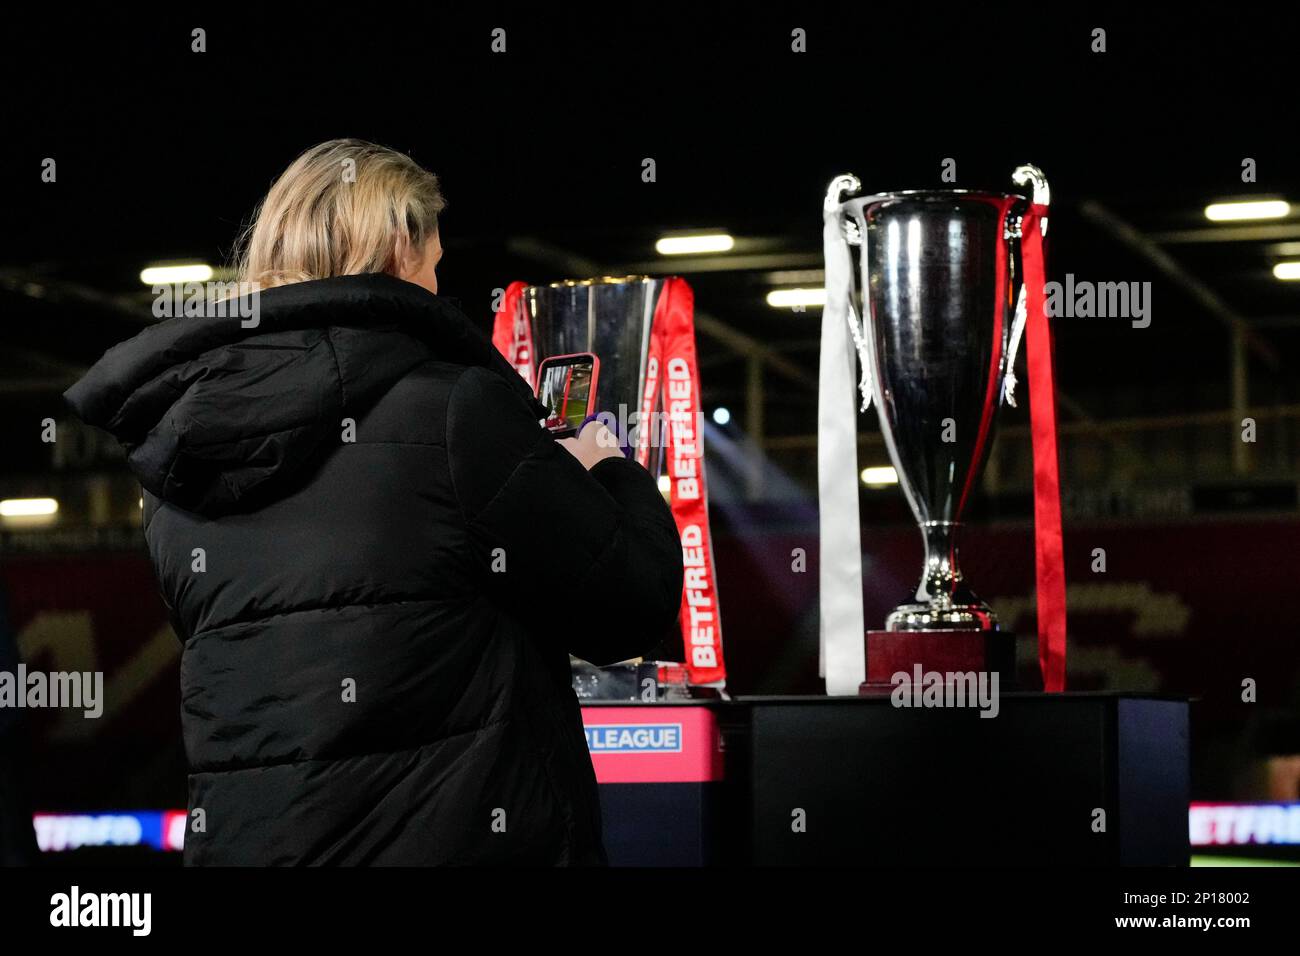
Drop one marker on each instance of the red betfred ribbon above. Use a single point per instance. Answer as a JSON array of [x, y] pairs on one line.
[[1049, 557], [672, 367]]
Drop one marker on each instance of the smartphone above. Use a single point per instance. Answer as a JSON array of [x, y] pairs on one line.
[[566, 385]]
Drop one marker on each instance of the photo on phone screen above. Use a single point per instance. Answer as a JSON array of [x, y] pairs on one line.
[[566, 385]]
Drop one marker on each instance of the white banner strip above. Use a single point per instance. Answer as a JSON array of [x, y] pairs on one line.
[[842, 660]]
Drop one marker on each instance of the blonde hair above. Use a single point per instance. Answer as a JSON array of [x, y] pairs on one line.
[[344, 207]]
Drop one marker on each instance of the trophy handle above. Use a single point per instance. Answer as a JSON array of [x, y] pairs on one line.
[[846, 183], [846, 229], [1042, 196]]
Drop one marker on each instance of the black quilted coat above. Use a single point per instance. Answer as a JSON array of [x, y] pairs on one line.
[[378, 563]]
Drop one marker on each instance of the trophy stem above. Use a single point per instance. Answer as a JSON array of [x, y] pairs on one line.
[[942, 600], [941, 574]]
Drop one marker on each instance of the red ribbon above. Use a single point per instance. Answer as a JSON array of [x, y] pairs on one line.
[[512, 333], [1049, 558], [675, 369]]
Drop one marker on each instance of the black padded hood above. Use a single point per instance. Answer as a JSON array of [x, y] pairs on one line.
[[215, 416]]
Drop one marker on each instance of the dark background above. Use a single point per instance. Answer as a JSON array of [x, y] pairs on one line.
[[163, 154]]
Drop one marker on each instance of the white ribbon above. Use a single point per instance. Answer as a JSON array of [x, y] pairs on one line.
[[842, 660], [1017, 330], [1022, 176]]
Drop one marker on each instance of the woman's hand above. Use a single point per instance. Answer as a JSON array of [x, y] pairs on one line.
[[593, 443]]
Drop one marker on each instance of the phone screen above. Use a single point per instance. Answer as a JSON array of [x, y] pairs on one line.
[[565, 389]]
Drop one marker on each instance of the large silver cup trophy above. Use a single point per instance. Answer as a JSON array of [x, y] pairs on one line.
[[933, 274]]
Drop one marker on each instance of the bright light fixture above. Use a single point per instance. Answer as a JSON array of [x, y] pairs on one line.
[[721, 415], [170, 275], [694, 245], [1287, 270], [878, 476], [665, 484], [793, 298], [27, 507], [1253, 209]]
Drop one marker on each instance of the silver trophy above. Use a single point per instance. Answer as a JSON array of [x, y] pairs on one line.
[[933, 273], [612, 318]]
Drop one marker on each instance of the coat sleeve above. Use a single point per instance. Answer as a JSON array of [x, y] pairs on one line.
[[593, 555]]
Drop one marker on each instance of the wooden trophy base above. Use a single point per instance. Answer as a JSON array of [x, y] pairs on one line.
[[889, 652]]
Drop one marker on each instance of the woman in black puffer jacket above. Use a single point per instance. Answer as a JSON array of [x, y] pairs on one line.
[[378, 562]]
